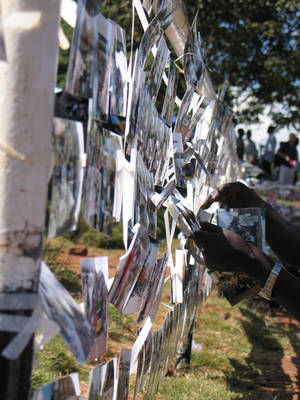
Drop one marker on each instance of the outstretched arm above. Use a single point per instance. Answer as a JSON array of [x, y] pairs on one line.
[[282, 236], [236, 255]]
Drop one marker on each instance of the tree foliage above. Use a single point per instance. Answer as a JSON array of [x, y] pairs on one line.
[[252, 44]]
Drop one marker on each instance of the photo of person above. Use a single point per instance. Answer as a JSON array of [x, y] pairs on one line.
[[67, 177]]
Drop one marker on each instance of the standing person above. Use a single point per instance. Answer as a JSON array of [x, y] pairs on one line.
[[269, 152], [250, 149], [240, 144], [288, 156]]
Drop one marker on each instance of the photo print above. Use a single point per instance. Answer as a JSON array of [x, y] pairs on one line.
[[104, 68], [154, 32], [60, 389], [141, 287], [99, 183], [103, 381], [61, 308], [94, 275], [143, 368], [123, 376], [67, 177], [157, 69], [151, 301], [83, 53], [170, 94], [129, 268]]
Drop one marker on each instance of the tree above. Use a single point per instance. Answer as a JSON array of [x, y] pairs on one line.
[[255, 45], [252, 44]]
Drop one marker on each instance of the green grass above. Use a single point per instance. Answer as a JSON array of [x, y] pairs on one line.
[[241, 348]]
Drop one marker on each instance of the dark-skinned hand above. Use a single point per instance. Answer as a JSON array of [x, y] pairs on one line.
[[234, 195], [225, 251]]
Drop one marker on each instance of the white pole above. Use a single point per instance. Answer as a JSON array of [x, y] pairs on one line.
[[27, 82]]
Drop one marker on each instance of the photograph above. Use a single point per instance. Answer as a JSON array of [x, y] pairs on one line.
[[60, 389], [103, 381], [82, 60], [61, 308], [99, 182], [170, 93], [94, 276], [67, 177], [141, 287], [107, 32], [123, 375], [129, 268], [157, 69]]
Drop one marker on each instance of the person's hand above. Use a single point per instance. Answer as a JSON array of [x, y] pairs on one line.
[[225, 251], [234, 195]]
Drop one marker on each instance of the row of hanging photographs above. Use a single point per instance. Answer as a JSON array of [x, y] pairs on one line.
[[127, 146], [86, 333]]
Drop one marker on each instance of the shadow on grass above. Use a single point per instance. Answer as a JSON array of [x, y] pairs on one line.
[[263, 376]]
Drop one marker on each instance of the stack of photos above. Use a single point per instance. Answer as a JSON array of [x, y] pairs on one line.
[[157, 69], [170, 94], [129, 268], [61, 389], [67, 177], [61, 308], [95, 297], [99, 183], [123, 376], [249, 223], [83, 53], [2, 43], [103, 381]]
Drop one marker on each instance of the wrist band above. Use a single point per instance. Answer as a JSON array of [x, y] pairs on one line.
[[266, 291]]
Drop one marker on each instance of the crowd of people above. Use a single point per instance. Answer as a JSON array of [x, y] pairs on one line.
[[278, 163]]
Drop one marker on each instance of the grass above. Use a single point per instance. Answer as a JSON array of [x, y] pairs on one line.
[[242, 347]]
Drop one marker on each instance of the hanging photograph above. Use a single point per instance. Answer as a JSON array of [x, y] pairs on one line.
[[104, 68], [67, 177], [60, 389], [83, 53], [129, 268], [141, 287], [157, 69], [118, 84], [61, 308], [99, 182], [94, 275], [102, 381], [123, 377], [170, 94]]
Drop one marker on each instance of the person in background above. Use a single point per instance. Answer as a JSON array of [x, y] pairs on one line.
[[288, 156], [234, 254], [240, 144], [250, 151], [269, 152]]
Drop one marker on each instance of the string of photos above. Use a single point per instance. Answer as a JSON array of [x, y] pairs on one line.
[[124, 146]]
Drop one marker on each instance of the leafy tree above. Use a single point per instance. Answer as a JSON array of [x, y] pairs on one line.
[[252, 44]]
